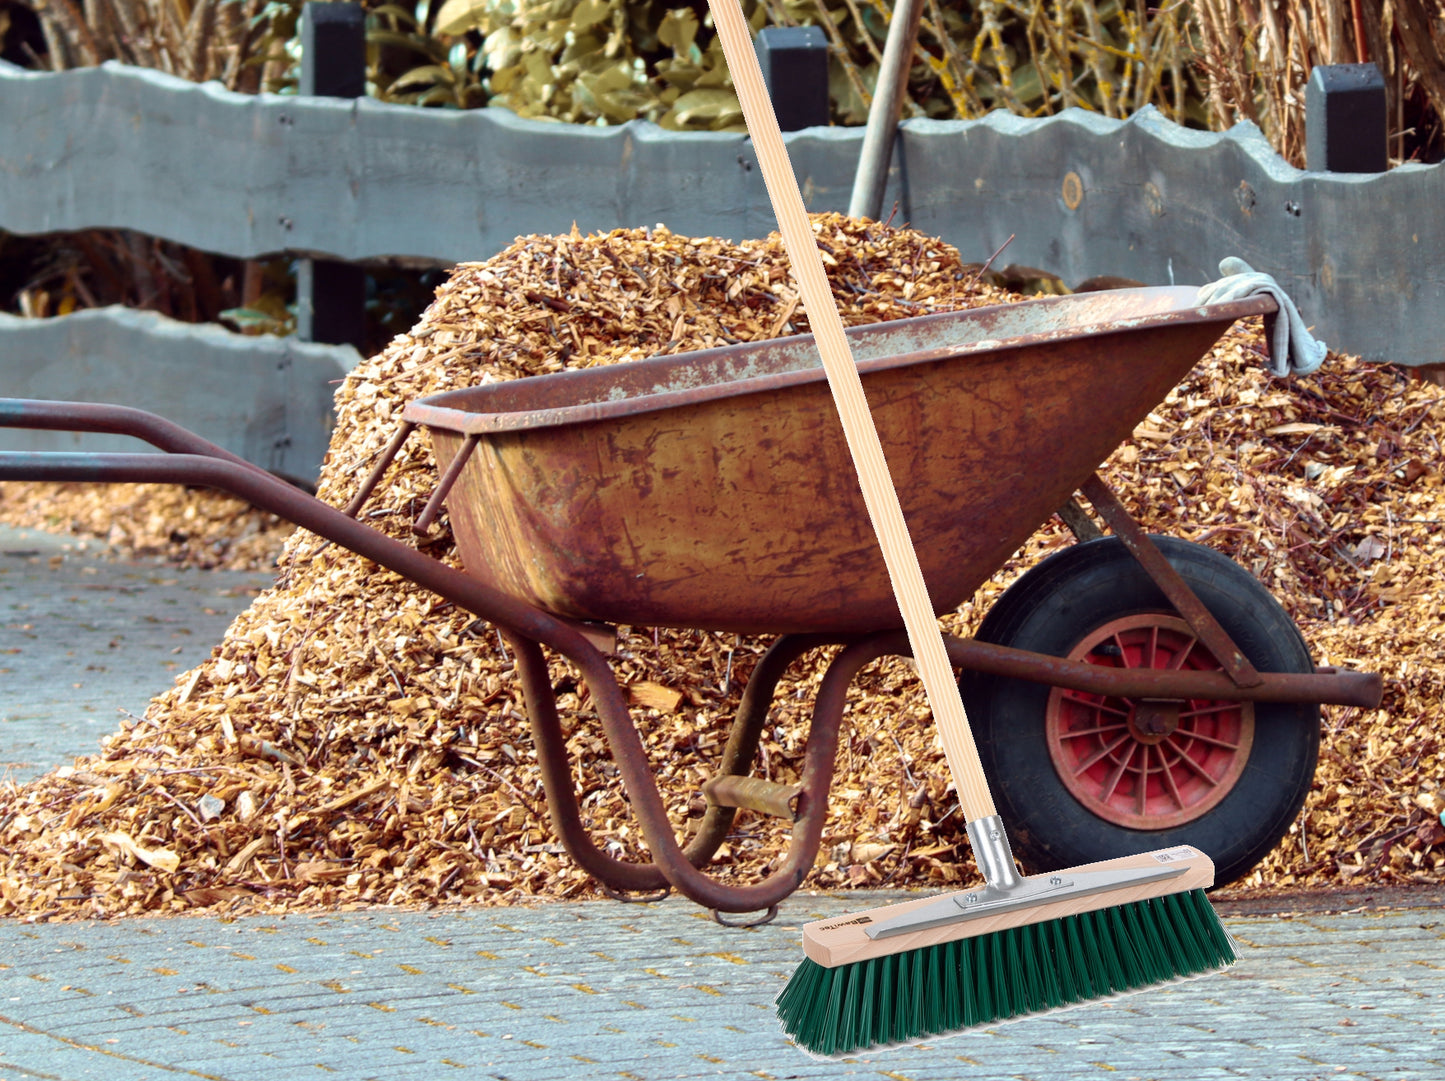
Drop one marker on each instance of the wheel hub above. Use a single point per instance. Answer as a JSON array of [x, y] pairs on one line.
[[1152, 720], [1147, 763]]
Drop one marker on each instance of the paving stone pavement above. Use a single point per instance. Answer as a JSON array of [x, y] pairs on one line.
[[578, 990], [607, 990]]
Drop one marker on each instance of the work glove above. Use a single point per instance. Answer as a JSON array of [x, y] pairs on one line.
[[1293, 350]]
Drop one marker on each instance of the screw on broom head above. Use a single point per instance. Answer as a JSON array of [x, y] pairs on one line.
[[857, 990]]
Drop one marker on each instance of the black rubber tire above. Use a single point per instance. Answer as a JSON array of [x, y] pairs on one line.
[[1052, 608]]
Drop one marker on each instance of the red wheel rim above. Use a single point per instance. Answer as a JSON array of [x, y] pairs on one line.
[[1139, 763]]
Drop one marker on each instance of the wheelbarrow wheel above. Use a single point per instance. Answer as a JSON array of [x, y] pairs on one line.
[[1084, 777]]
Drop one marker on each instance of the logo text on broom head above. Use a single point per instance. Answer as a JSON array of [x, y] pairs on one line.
[[847, 923], [1169, 855]]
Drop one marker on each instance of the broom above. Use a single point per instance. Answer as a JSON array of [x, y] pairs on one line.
[[1016, 945]]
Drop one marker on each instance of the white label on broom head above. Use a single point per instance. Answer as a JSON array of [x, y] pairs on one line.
[[1170, 855]]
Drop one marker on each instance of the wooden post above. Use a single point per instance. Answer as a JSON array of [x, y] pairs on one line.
[[794, 62], [331, 295], [1345, 126]]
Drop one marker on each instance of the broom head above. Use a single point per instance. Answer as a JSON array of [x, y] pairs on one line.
[[855, 991]]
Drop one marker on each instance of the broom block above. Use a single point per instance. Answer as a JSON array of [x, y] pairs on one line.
[[843, 940]]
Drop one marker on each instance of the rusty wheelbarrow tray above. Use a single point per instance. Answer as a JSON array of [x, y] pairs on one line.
[[712, 490], [715, 489]]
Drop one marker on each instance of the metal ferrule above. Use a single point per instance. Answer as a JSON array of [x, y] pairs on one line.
[[991, 851]]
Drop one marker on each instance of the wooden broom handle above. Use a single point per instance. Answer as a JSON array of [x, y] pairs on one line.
[[878, 492]]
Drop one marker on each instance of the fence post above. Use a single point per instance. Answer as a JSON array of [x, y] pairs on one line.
[[1345, 125], [331, 295], [794, 60]]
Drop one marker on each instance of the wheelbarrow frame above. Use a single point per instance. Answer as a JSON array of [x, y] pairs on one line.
[[191, 460]]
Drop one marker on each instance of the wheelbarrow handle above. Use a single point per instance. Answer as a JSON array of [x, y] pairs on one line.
[[160, 433], [191, 460]]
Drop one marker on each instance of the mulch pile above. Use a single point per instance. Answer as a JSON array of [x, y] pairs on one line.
[[190, 527], [354, 739]]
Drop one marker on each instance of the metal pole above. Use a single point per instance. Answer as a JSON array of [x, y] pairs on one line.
[[872, 175]]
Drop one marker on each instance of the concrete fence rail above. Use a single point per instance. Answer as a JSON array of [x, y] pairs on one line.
[[266, 399], [1082, 195]]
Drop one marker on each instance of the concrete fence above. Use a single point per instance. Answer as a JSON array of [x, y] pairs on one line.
[[1082, 195]]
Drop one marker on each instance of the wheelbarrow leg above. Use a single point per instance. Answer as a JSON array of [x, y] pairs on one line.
[[1170, 583], [1078, 521], [819, 761], [616, 875], [541, 705], [671, 863], [743, 740]]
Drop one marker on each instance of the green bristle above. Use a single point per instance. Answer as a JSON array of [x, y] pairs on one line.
[[870, 994], [1084, 983], [1026, 984], [1180, 956], [1126, 951], [1070, 989], [1004, 970], [949, 961], [982, 980], [1056, 976], [1181, 920], [852, 1006], [1097, 927], [978, 997], [908, 1021], [882, 991], [1144, 968]]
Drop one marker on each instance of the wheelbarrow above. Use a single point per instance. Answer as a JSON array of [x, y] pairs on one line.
[[1128, 693]]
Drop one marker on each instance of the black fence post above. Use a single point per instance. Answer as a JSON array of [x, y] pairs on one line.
[[331, 295], [794, 60], [1345, 119]]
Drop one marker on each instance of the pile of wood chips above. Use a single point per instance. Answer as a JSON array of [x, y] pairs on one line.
[[190, 527], [356, 740]]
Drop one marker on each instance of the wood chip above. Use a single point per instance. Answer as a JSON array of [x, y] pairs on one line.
[[160, 858], [654, 696]]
